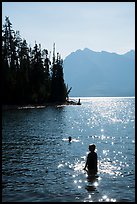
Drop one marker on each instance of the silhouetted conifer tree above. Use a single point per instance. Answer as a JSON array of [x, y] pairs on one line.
[[9, 62], [46, 74], [58, 87], [23, 74]]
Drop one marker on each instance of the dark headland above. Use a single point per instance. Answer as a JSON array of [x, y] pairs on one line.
[[31, 77]]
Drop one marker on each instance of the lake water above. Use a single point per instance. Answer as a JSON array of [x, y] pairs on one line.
[[39, 164]]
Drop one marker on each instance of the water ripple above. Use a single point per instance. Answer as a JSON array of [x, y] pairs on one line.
[[39, 164]]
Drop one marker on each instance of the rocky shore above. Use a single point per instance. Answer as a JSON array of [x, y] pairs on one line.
[[44, 105]]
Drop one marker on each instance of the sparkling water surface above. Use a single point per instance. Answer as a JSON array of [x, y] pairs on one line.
[[40, 165]]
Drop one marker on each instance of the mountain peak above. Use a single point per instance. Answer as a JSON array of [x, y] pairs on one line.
[[87, 51], [130, 54], [91, 73]]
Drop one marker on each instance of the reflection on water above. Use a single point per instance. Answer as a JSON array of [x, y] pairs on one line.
[[39, 164]]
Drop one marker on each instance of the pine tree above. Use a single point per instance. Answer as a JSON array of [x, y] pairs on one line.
[[9, 62], [47, 80], [23, 74], [58, 87], [39, 75]]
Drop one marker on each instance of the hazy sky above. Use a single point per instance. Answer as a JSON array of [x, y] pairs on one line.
[[108, 26]]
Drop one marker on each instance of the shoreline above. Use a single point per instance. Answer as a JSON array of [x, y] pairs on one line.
[[32, 106]]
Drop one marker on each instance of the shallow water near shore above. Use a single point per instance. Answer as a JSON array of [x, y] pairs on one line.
[[40, 165]]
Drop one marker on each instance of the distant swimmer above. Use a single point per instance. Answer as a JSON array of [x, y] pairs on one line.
[[91, 162], [69, 139], [78, 103]]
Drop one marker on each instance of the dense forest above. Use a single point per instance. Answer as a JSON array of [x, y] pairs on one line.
[[28, 74]]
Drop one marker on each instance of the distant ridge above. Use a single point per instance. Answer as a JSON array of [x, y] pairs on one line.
[[91, 73]]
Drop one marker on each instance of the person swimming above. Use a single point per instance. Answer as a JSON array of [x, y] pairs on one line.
[[91, 161], [69, 139]]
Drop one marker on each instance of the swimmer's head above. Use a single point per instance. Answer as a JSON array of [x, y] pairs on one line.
[[69, 138], [92, 147]]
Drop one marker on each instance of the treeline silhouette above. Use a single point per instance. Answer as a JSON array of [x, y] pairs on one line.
[[28, 75]]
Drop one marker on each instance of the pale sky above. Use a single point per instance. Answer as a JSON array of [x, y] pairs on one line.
[[108, 26]]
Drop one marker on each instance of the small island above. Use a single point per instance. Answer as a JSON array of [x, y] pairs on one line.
[[29, 75]]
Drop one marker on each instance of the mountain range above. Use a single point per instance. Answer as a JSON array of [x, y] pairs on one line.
[[91, 73]]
